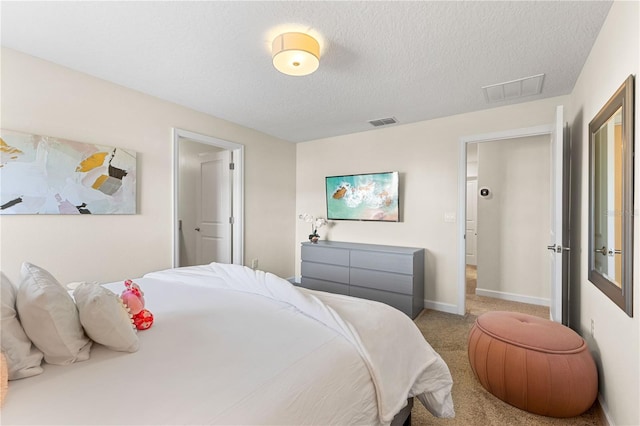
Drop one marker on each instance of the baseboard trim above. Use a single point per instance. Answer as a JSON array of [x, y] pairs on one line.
[[603, 411], [513, 297], [442, 307]]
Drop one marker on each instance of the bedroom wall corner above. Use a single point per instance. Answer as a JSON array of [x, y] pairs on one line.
[[426, 155], [615, 344], [44, 98]]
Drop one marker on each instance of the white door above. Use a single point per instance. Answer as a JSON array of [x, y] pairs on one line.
[[471, 230], [611, 202], [213, 205], [601, 226], [558, 250]]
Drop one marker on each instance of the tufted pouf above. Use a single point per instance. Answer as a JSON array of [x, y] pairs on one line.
[[532, 363]]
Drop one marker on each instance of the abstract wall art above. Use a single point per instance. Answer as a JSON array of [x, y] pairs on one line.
[[47, 175]]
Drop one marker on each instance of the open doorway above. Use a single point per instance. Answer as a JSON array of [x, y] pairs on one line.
[[208, 200], [556, 247], [507, 223]]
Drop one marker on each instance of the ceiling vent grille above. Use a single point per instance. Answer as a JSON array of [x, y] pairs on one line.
[[519, 88], [383, 121]]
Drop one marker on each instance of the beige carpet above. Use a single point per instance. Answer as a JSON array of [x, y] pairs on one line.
[[478, 305], [448, 333]]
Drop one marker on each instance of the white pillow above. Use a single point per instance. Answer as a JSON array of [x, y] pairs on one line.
[[50, 317], [23, 359], [104, 318]]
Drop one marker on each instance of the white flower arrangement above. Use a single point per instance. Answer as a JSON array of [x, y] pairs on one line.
[[316, 223]]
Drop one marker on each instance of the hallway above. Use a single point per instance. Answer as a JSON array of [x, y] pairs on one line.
[[477, 305]]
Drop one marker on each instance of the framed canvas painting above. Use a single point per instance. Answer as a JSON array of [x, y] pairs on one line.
[[47, 175], [364, 197]]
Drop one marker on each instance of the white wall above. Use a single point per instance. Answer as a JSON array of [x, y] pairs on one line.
[[43, 98], [615, 342], [514, 222], [472, 160], [426, 155]]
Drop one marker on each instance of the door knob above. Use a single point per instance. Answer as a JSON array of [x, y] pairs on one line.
[[602, 251], [558, 248], [198, 229]]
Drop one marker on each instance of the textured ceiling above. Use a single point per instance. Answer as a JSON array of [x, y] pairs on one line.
[[410, 60]]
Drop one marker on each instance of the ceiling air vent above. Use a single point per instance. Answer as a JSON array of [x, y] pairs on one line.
[[383, 121], [519, 88]]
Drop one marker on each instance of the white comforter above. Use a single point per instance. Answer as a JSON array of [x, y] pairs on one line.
[[399, 360], [235, 346]]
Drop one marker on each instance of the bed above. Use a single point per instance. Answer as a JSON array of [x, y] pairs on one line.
[[230, 345]]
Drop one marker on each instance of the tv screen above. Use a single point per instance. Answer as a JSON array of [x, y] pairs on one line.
[[371, 196]]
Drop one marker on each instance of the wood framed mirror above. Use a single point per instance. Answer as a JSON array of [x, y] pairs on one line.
[[611, 153]]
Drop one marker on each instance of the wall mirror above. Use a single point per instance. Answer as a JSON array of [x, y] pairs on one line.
[[611, 147]]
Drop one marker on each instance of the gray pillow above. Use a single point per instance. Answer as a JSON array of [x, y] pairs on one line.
[[104, 318], [50, 317], [23, 359]]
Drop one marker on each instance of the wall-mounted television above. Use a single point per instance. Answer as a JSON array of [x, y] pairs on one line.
[[368, 196]]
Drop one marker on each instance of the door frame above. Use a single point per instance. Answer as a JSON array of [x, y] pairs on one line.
[[237, 253], [512, 135]]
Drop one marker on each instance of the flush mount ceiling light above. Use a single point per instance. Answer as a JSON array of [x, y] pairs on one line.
[[295, 54]]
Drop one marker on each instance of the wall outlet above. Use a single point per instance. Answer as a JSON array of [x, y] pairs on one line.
[[254, 264], [593, 328]]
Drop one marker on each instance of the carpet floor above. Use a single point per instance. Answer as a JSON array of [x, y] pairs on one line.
[[447, 334]]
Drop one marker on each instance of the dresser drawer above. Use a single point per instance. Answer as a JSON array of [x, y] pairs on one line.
[[387, 274], [321, 254], [326, 272], [402, 302], [390, 262], [379, 280], [328, 286]]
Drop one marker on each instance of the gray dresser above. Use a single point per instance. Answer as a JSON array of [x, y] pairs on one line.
[[388, 274]]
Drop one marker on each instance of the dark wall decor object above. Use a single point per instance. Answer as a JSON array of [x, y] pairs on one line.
[[611, 157]]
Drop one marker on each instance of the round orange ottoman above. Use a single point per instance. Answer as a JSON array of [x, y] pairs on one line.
[[532, 363]]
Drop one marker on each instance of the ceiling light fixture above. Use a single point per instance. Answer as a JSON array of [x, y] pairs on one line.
[[295, 54]]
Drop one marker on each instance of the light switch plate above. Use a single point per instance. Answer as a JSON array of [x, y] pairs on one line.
[[450, 217]]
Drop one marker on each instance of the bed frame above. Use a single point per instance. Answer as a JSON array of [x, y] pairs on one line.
[[403, 418]]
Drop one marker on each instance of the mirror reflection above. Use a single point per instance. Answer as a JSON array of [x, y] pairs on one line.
[[611, 197], [608, 199]]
